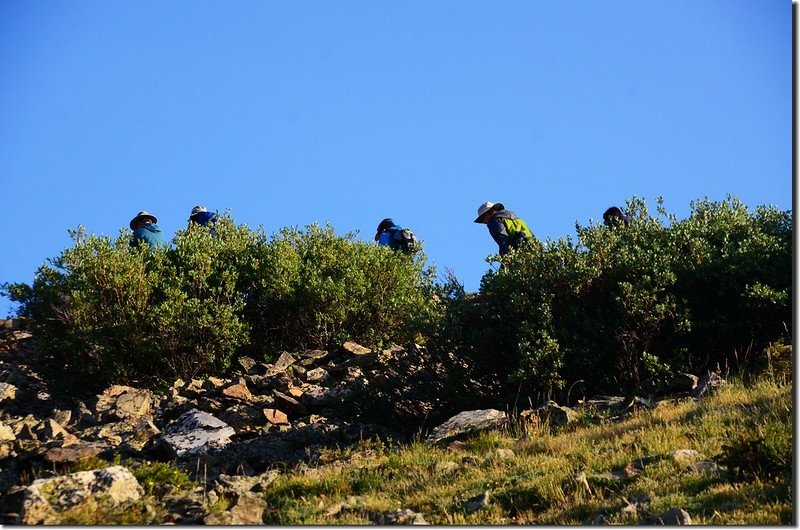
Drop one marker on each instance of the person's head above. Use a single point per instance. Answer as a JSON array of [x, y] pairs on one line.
[[486, 210], [196, 210], [614, 216], [383, 226], [142, 218]]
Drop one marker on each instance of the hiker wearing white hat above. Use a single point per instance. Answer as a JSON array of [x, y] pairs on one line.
[[200, 215], [146, 230], [508, 230]]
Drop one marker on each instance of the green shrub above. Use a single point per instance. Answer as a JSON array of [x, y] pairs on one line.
[[313, 289], [624, 304], [104, 311]]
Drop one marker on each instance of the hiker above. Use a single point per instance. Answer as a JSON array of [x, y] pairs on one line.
[[508, 230], [145, 229], [614, 217], [395, 237], [201, 216]]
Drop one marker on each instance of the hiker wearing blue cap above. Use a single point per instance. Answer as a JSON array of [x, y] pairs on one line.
[[396, 237], [615, 217], [508, 230], [146, 230]]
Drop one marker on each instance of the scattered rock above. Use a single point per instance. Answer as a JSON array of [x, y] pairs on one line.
[[355, 348], [276, 417], [247, 510], [477, 502], [8, 392], [121, 402], [238, 391], [686, 455], [708, 384], [673, 517], [45, 499], [195, 432], [467, 422], [399, 517], [284, 361], [6, 433], [247, 363], [72, 453], [682, 382], [317, 375]]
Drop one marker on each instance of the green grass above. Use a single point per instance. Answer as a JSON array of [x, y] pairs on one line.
[[536, 486], [746, 429]]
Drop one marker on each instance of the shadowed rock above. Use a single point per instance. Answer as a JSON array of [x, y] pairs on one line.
[[467, 422]]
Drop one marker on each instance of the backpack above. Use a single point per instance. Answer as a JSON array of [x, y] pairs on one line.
[[518, 231], [403, 240]]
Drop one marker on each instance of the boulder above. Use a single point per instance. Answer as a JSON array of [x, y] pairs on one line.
[[708, 384], [355, 348], [285, 360], [247, 363], [194, 433], [241, 484], [317, 375], [45, 499], [681, 383], [6, 433], [8, 392], [238, 391], [477, 502], [72, 453], [467, 422], [555, 415], [124, 403], [247, 510], [276, 417]]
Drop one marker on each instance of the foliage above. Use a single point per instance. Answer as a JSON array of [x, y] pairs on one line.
[[625, 304], [311, 289], [105, 311]]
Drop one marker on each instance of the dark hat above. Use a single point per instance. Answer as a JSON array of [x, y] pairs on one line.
[[142, 215], [383, 226]]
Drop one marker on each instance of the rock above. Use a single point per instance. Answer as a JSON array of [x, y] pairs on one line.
[[600, 520], [313, 355], [673, 517], [247, 363], [288, 402], [467, 422], [213, 383], [477, 502], [240, 484], [51, 430], [284, 361], [121, 402], [6, 433], [682, 382], [276, 417], [555, 415], [8, 392], [317, 375], [399, 517], [45, 499], [703, 466], [296, 392], [72, 453], [238, 391], [686, 455], [242, 418], [248, 510], [62, 417], [355, 348], [500, 453], [195, 432], [708, 384]]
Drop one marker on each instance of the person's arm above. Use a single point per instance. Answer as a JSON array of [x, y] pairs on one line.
[[498, 231]]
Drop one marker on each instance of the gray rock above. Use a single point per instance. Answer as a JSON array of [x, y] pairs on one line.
[[477, 502], [467, 422], [556, 415], [121, 402], [240, 484], [247, 510], [682, 382], [284, 361], [399, 517], [247, 363], [708, 384], [45, 499], [317, 375], [195, 432], [673, 517], [355, 348]]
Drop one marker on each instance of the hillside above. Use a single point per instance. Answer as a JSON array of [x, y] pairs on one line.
[[281, 443]]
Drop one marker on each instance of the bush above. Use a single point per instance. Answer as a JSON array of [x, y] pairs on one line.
[[104, 311], [312, 289], [629, 303]]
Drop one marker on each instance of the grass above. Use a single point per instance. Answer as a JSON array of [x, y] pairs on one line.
[[536, 484], [535, 476]]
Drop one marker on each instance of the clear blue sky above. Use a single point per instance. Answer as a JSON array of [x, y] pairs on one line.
[[346, 112]]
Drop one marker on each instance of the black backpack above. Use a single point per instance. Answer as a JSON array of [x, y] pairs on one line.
[[403, 240]]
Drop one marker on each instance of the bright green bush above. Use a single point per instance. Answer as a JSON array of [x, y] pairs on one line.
[[624, 304], [103, 311], [313, 289]]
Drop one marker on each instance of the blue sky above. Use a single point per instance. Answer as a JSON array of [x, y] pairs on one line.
[[288, 113]]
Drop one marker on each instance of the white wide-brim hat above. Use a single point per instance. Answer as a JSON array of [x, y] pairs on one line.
[[487, 207]]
